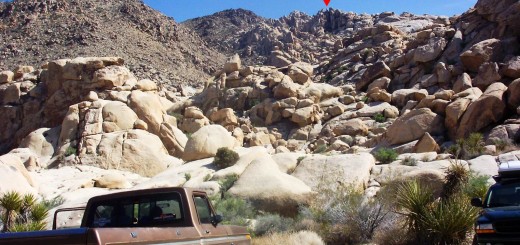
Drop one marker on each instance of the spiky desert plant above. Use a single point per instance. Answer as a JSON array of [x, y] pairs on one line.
[[413, 201], [449, 221], [457, 175], [11, 203]]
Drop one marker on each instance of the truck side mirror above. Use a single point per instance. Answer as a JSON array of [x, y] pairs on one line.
[[476, 202], [215, 220]]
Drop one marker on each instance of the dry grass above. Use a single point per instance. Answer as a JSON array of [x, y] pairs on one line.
[[299, 238]]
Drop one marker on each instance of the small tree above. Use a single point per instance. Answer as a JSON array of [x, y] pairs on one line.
[[225, 157], [386, 155]]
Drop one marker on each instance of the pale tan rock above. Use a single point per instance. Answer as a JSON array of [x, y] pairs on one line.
[[401, 96], [6, 77], [463, 82], [261, 177], [381, 83], [348, 169], [119, 114], [288, 161], [11, 179], [489, 108], [112, 76], [224, 117], [140, 124], [112, 181], [233, 64], [320, 92], [173, 139], [69, 127], [146, 85], [13, 164], [391, 112], [286, 88], [206, 141], [92, 96], [444, 95], [21, 70], [488, 73], [430, 51], [194, 112], [377, 94], [307, 115], [43, 142], [260, 139], [148, 108], [479, 53], [335, 110], [511, 68], [413, 125], [192, 125], [300, 72], [351, 127], [375, 71], [426, 144]]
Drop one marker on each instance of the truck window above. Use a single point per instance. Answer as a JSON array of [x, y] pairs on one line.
[[150, 210], [203, 209], [504, 195]]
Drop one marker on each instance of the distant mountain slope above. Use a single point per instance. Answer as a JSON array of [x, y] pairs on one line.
[[153, 45]]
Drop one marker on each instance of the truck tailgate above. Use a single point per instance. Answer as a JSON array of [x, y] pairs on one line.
[[141, 235]]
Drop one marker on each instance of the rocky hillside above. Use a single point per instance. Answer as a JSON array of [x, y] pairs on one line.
[[154, 46], [296, 37]]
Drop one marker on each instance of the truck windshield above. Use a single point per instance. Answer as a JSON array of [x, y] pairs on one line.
[[504, 195], [150, 210]]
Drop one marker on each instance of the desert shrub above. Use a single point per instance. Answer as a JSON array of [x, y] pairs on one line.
[[228, 182], [235, 211], [70, 151], [386, 155], [225, 157], [22, 213], [473, 145], [409, 161], [320, 149], [501, 144], [457, 175], [302, 237], [447, 220], [339, 213], [271, 223], [54, 202], [476, 186], [380, 118], [187, 176]]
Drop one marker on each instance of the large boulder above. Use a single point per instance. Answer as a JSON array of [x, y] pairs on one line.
[[300, 72], [118, 115], [511, 68], [378, 70], [484, 165], [426, 144], [136, 151], [320, 92], [307, 115], [488, 109], [402, 96], [481, 52], [430, 51], [206, 141], [6, 77], [232, 64], [413, 125], [14, 176], [513, 93], [174, 139], [351, 127], [353, 170], [148, 108], [271, 190], [43, 142], [112, 76]]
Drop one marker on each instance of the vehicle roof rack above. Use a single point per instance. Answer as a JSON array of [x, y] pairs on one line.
[[508, 171]]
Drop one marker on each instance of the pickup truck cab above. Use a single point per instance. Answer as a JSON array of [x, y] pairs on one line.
[[499, 220], [152, 216]]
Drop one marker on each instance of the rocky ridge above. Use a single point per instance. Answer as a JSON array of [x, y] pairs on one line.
[[154, 46]]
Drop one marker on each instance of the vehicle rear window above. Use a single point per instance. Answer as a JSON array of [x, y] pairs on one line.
[[152, 210]]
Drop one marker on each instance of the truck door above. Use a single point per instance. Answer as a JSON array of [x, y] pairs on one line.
[[212, 233]]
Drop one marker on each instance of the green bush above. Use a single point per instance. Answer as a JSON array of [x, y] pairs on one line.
[[477, 186], [320, 149], [380, 118], [409, 161], [71, 151], [457, 175], [228, 182], [271, 223], [386, 155], [468, 148], [225, 157], [235, 211]]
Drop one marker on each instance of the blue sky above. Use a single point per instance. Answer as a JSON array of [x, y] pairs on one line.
[[181, 10]]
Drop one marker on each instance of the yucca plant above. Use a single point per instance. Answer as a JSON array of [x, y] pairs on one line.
[[22, 213], [414, 200], [11, 202], [448, 222], [457, 175]]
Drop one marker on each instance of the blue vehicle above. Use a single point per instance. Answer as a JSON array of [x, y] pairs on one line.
[[499, 221]]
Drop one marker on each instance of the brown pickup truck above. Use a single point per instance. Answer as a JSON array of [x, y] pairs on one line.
[[152, 216]]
